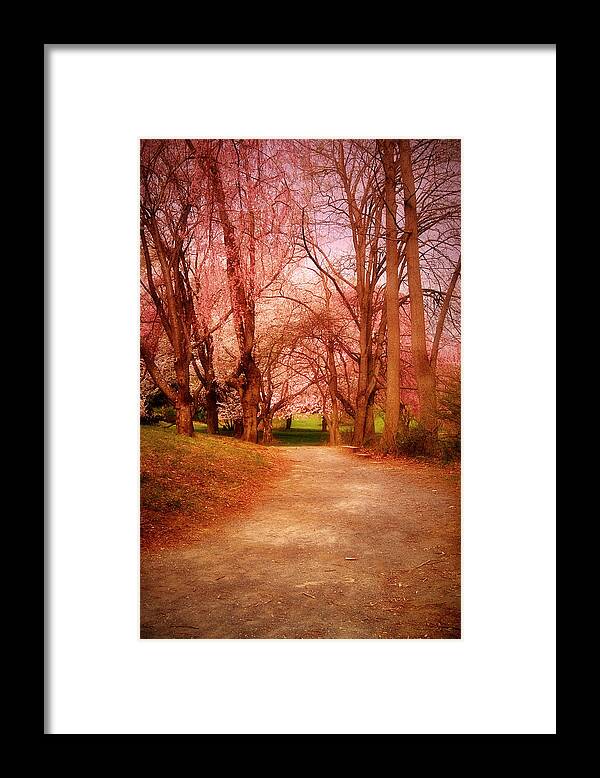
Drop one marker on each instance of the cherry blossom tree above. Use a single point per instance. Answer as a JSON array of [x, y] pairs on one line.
[[250, 198], [167, 217], [317, 273]]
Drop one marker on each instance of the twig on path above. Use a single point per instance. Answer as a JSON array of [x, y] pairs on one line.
[[256, 604], [422, 563], [184, 626], [410, 569], [306, 594], [350, 558]]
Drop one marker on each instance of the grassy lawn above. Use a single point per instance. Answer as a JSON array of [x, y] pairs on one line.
[[306, 430], [300, 437], [186, 484]]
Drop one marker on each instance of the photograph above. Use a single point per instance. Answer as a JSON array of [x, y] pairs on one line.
[[300, 388], [300, 468]]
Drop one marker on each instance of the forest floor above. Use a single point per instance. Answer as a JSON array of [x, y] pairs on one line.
[[337, 545]]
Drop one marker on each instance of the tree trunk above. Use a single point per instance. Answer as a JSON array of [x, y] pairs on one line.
[[250, 398], [212, 412], [250, 410], [324, 423], [238, 428], [358, 435], [404, 420], [334, 424], [334, 417], [392, 403], [334, 434], [369, 424], [267, 430], [184, 405], [424, 375], [364, 375], [184, 419], [288, 423]]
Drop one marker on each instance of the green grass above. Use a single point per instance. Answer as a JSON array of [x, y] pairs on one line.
[[300, 437], [305, 421], [306, 431]]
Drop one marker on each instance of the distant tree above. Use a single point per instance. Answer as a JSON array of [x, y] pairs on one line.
[[348, 203]]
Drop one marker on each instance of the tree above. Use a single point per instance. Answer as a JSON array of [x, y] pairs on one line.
[[423, 364], [211, 313], [286, 271], [281, 381], [424, 374], [392, 403], [250, 195], [167, 214], [349, 196]]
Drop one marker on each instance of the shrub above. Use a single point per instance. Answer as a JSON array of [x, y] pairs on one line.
[[169, 415], [346, 436], [449, 448], [413, 441]]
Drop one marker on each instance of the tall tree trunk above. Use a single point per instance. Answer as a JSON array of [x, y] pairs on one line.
[[334, 426], [332, 385], [207, 378], [424, 375], [250, 398], [184, 404], [184, 419], [212, 411], [362, 398], [369, 424], [392, 404], [358, 435], [442, 317], [267, 429]]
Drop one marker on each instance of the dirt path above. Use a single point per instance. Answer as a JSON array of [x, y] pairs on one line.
[[282, 572]]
